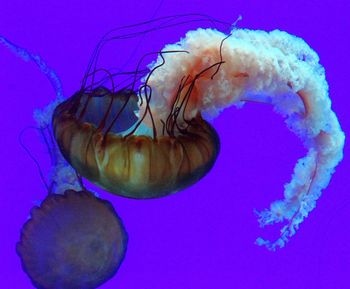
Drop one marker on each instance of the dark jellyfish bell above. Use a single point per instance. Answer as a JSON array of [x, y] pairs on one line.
[[72, 241], [131, 164]]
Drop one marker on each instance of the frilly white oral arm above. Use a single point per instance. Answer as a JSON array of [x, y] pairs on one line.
[[273, 67]]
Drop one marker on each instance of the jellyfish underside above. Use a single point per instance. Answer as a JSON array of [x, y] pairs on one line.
[[95, 133], [72, 241]]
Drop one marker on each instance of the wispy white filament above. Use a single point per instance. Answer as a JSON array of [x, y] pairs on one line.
[[62, 176]]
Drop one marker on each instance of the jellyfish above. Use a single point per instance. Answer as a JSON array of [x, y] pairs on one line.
[[172, 146], [72, 239], [202, 74]]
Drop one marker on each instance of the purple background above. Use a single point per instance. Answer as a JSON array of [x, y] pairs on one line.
[[204, 236]]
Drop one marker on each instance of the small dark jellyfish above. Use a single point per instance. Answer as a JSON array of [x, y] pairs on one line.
[[71, 241]]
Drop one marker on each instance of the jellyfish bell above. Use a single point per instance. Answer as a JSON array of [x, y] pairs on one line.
[[104, 137], [74, 240]]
